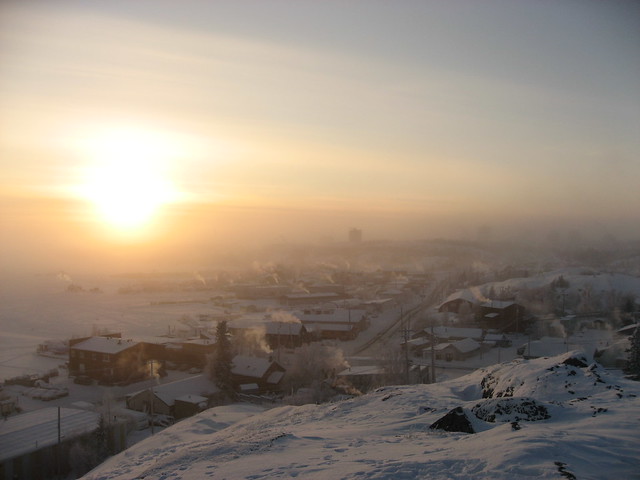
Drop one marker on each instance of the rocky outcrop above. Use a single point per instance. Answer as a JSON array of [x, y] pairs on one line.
[[512, 409], [454, 421]]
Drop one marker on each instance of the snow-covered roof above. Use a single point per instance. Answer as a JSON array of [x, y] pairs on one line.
[[196, 385], [471, 295], [466, 345], [104, 345], [329, 327], [34, 430], [628, 330], [157, 340], [250, 366], [441, 346], [283, 328], [275, 377], [494, 337], [378, 301], [194, 399], [336, 316], [417, 342], [463, 346], [362, 370], [199, 341], [456, 332], [498, 303]]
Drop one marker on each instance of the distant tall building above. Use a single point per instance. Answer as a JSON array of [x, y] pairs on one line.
[[355, 235]]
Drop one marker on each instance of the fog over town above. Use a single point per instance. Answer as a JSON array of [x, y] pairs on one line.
[[266, 239]]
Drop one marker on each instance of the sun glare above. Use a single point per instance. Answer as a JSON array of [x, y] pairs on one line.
[[128, 179]]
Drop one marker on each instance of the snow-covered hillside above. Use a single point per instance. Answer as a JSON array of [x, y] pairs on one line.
[[560, 417], [577, 279]]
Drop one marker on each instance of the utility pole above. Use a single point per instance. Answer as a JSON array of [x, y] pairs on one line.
[[58, 447], [152, 399], [406, 348], [564, 295], [433, 355]]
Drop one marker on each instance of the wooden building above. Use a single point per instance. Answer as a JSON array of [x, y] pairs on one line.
[[265, 373], [178, 399], [286, 334], [108, 360]]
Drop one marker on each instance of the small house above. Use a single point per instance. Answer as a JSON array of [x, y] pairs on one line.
[[178, 399], [497, 340], [364, 377], [265, 373], [286, 334], [455, 333], [459, 350]]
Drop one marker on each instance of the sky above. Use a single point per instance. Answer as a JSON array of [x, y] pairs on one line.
[[152, 129]]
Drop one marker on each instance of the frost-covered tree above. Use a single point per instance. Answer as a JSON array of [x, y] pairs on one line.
[[393, 360], [312, 365], [221, 362], [633, 361], [92, 450]]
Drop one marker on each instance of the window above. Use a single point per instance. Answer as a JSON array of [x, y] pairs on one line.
[[105, 358]]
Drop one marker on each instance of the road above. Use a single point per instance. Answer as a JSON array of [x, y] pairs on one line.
[[432, 297]]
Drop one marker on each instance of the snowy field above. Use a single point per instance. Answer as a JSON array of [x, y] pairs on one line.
[[583, 425], [38, 308]]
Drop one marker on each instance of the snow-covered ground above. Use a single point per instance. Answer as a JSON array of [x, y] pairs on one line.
[[37, 308], [583, 424], [381, 435]]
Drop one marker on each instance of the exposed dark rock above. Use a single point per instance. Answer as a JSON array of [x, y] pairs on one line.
[[562, 468], [515, 426], [579, 362], [510, 409], [422, 410], [598, 410], [454, 421], [488, 385]]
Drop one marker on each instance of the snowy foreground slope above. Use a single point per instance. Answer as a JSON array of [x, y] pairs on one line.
[[560, 417]]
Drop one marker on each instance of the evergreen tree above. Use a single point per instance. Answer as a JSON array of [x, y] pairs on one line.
[[633, 361], [222, 361]]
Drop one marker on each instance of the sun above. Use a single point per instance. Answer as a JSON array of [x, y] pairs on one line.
[[127, 180]]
